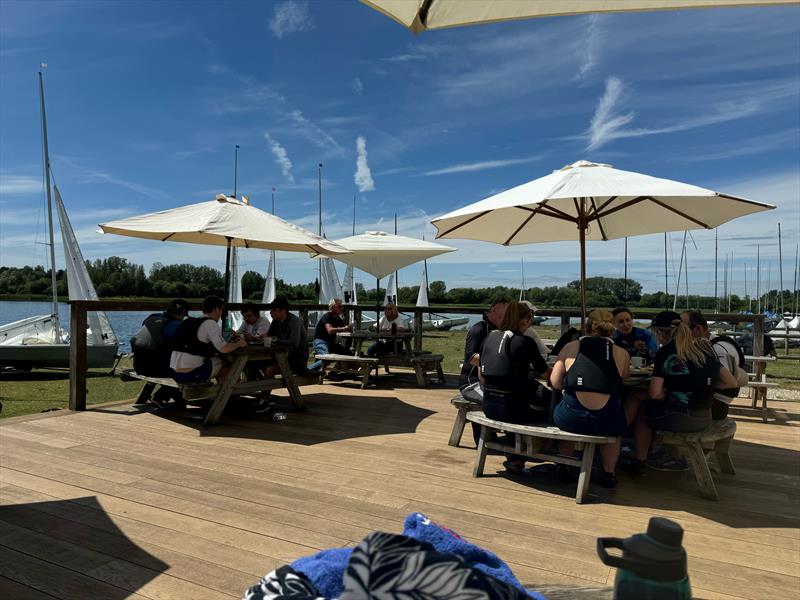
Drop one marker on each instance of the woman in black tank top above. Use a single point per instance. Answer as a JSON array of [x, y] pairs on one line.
[[590, 373]]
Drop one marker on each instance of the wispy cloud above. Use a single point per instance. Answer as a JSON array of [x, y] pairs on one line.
[[482, 166], [290, 17], [595, 35], [315, 134], [358, 86], [281, 157], [755, 145], [400, 58], [91, 175], [21, 185], [741, 100], [363, 176]]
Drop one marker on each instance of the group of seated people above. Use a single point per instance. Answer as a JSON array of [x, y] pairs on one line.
[[193, 349], [694, 378]]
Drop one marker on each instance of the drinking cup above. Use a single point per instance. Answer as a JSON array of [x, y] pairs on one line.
[[637, 362], [267, 342]]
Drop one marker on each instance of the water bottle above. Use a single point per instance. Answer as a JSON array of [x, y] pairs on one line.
[[394, 328], [652, 565]]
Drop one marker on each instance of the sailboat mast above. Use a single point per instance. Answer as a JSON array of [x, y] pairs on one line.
[[796, 257], [680, 269], [319, 222], [522, 271], [716, 268], [666, 274], [686, 276], [780, 267], [625, 282], [54, 309], [354, 214], [396, 282], [758, 277]]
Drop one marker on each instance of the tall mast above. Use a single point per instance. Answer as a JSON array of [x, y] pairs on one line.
[[666, 274], [729, 278], [716, 271], [680, 269], [725, 280], [319, 223], [686, 276], [396, 282], [758, 277], [625, 282], [235, 167], [796, 257], [522, 271], [745, 286], [354, 214], [780, 267], [54, 309]]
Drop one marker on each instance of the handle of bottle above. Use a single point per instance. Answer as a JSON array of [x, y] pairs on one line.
[[605, 557]]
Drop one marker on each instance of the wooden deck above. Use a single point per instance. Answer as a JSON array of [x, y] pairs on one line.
[[120, 502]]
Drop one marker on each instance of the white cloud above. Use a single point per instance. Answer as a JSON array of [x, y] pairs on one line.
[[594, 38], [91, 175], [363, 176], [20, 184], [400, 58], [607, 121], [315, 134], [482, 166], [358, 86], [281, 157], [290, 17]]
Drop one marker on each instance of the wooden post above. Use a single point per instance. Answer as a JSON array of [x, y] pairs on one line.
[[357, 317], [77, 358], [758, 335], [417, 330], [564, 324], [304, 316]]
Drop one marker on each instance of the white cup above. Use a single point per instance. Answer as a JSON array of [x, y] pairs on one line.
[[637, 362], [267, 342]]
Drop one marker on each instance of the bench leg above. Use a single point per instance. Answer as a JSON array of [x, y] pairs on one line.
[[722, 450], [458, 427], [365, 370], [288, 380], [702, 473], [480, 457], [764, 405], [440, 372], [146, 392], [419, 370], [323, 366], [215, 412], [586, 473]]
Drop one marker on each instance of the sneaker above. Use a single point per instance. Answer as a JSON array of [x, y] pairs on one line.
[[514, 468], [261, 406], [665, 462], [608, 480]]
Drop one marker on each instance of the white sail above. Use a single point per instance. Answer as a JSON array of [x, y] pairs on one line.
[[79, 283], [235, 294], [329, 286], [422, 295], [349, 286], [391, 290], [269, 285]]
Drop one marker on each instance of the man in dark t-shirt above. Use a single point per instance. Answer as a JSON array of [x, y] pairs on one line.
[[328, 326]]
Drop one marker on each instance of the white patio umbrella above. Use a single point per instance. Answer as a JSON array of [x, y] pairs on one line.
[[421, 15], [591, 201], [379, 253], [223, 222]]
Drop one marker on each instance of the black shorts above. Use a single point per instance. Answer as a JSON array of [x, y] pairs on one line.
[[666, 416]]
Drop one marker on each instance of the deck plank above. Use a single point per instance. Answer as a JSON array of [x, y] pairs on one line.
[[232, 502]]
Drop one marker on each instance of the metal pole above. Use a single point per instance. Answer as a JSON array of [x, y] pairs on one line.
[[666, 274], [625, 284], [680, 269], [758, 277], [273, 201], [235, 167], [354, 214], [227, 270], [780, 268], [53, 282], [796, 257], [686, 276], [716, 268]]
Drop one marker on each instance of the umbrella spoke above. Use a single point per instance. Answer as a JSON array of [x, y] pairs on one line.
[[599, 222], [467, 222], [621, 206], [517, 230], [551, 211], [604, 204], [681, 213]]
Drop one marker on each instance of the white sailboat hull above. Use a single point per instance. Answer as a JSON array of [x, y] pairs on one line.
[[48, 356]]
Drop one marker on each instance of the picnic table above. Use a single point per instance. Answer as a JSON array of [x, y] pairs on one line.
[[759, 383], [399, 340]]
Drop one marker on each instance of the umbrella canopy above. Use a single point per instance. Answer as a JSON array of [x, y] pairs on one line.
[[222, 222], [420, 15], [591, 201], [379, 253]]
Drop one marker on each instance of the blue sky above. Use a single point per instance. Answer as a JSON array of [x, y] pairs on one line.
[[146, 101]]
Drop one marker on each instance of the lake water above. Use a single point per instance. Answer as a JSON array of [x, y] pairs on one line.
[[125, 324]]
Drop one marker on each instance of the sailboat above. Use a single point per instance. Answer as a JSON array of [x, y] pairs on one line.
[[434, 322], [41, 341]]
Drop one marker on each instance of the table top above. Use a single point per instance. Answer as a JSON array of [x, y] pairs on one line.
[[760, 358], [374, 335]]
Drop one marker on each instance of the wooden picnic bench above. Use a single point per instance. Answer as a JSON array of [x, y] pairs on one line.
[[422, 363], [232, 384], [528, 442], [463, 406], [363, 365], [759, 386], [716, 438]]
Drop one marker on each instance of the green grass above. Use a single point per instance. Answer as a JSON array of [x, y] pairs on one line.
[[42, 390]]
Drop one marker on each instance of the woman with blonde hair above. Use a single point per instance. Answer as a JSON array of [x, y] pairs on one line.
[[507, 359], [685, 373], [590, 373]]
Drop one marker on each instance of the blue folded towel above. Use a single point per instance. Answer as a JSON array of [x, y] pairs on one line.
[[326, 569]]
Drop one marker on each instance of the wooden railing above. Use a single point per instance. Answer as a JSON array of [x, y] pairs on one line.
[[79, 308]]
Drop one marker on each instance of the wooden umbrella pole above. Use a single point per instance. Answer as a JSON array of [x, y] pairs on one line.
[[582, 237]]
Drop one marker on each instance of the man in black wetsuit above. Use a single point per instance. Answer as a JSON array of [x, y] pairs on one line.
[[475, 338]]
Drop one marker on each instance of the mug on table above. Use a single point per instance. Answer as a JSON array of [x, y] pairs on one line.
[[637, 362]]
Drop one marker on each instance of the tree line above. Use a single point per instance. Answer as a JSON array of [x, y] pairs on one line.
[[118, 277]]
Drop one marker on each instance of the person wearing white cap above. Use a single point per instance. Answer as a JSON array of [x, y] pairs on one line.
[[531, 331]]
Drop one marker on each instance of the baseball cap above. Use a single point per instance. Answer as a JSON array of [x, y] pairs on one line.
[[528, 304], [280, 302], [666, 319]]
